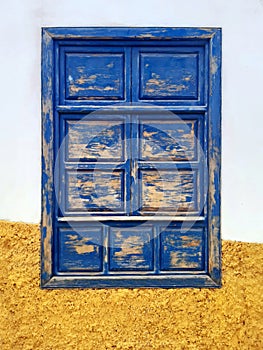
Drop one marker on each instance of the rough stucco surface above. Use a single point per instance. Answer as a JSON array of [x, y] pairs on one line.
[[31, 318]]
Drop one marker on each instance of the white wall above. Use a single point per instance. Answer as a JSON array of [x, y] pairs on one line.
[[242, 23]]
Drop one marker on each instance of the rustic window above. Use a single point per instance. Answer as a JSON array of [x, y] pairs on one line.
[[131, 157]]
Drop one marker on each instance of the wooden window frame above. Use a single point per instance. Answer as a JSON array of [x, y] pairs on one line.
[[212, 36]]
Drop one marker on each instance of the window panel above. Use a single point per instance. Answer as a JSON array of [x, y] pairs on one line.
[[131, 249], [95, 140], [168, 191], [168, 140], [95, 190], [182, 251], [80, 250]]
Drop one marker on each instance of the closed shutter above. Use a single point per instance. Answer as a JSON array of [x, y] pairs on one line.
[[131, 157]]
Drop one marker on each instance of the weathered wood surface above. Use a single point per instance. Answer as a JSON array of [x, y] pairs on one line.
[[173, 191], [94, 76], [107, 163], [131, 249], [182, 250], [81, 250], [95, 140], [168, 140], [161, 78], [95, 190]]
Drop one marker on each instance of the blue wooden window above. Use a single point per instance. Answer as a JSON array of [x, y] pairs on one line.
[[131, 123]]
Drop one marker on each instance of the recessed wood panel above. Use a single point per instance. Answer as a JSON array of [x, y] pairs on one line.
[[169, 76], [94, 76], [182, 250], [94, 140], [97, 190], [131, 249], [168, 140], [80, 250], [169, 190]]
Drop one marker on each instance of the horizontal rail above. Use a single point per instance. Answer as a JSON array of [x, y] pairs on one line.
[[131, 218]]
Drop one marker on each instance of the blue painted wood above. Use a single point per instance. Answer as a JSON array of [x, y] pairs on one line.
[[47, 180], [214, 158], [182, 251], [93, 140], [94, 190], [93, 74], [169, 191], [131, 249], [169, 75], [136, 34], [81, 250], [168, 140], [130, 119]]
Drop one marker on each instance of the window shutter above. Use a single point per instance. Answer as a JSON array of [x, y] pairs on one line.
[[131, 157]]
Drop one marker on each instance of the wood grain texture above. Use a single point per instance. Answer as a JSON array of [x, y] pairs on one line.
[[170, 74], [131, 249], [94, 140], [168, 140], [182, 251], [94, 76], [141, 34], [161, 78], [214, 158], [95, 190], [80, 250], [47, 180], [173, 191]]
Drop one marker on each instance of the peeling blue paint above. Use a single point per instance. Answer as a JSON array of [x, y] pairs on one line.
[[44, 232], [44, 278], [43, 163], [48, 205], [47, 128], [131, 164], [44, 179]]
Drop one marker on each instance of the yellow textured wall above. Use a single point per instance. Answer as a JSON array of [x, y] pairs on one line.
[[30, 318]]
